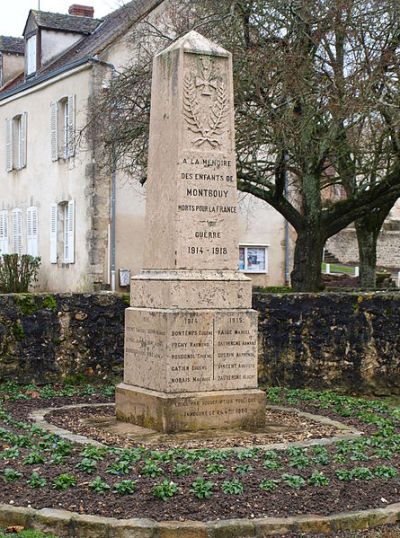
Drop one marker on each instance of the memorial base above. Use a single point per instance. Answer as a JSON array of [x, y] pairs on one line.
[[179, 412]]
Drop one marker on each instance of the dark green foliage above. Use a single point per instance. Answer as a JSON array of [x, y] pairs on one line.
[[17, 273]]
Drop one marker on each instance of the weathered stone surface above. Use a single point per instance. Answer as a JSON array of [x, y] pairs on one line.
[[182, 530], [191, 338], [190, 411], [85, 526], [46, 338], [192, 166], [190, 289], [190, 350], [325, 340], [52, 521]]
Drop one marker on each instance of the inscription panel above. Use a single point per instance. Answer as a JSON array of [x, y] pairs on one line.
[[217, 411], [190, 352], [235, 349], [206, 172], [145, 348]]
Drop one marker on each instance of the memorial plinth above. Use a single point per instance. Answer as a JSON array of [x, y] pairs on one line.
[[190, 334]]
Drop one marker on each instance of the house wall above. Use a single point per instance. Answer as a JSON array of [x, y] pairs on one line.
[[344, 246], [13, 64], [259, 223], [44, 182], [55, 42]]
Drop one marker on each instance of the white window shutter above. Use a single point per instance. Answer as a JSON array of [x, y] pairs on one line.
[[22, 141], [9, 148], [32, 231], [71, 231], [54, 131], [71, 126], [17, 231], [53, 233], [4, 232]]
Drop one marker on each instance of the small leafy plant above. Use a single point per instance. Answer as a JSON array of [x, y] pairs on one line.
[[36, 481], [64, 481], [232, 487], [11, 475], [269, 485], [151, 469], [293, 481], [99, 485], [125, 487], [215, 468], [318, 479], [182, 469], [202, 489], [87, 465], [165, 490]]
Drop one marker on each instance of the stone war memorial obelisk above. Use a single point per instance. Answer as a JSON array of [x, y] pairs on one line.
[[190, 334]]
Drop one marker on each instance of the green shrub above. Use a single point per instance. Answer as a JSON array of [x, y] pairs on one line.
[[17, 272]]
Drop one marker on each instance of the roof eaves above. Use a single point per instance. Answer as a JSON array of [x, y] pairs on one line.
[[123, 29], [43, 78]]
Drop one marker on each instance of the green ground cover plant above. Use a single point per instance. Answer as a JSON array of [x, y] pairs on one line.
[[36, 461]]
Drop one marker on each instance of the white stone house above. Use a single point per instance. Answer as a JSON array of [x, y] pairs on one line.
[[55, 202]]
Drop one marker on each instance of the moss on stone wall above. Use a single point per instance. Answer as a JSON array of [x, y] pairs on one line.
[[332, 340], [349, 341]]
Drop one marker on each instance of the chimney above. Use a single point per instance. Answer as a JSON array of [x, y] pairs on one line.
[[81, 11]]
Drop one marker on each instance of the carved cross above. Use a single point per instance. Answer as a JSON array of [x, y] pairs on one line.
[[206, 81]]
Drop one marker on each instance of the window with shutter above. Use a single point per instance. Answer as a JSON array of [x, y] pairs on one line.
[[4, 231], [9, 145], [71, 125], [31, 55], [66, 234], [53, 233], [17, 231], [54, 131], [69, 232], [22, 140], [16, 133], [63, 128], [32, 231]]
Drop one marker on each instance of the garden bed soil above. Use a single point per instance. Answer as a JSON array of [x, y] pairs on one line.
[[253, 502], [100, 425]]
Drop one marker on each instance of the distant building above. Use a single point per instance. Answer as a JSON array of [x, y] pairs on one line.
[[55, 202]]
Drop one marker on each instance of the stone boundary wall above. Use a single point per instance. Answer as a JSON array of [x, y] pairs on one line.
[[328, 340], [344, 246], [48, 338]]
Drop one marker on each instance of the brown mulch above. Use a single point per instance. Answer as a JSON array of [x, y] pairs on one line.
[[282, 427], [252, 503]]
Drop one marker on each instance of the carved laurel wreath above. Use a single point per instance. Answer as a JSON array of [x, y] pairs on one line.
[[207, 123]]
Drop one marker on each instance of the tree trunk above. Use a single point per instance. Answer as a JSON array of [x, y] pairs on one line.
[[367, 238], [367, 229], [306, 274]]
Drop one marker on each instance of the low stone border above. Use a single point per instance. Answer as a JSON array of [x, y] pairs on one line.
[[39, 414], [71, 525], [349, 433]]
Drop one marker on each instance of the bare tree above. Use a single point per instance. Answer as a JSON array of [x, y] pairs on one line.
[[317, 104]]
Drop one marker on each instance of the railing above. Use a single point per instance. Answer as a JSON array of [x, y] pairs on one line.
[[339, 269]]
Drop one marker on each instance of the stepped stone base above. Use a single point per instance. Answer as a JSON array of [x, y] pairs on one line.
[[171, 413]]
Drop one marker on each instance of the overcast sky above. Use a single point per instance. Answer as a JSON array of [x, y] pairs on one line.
[[13, 13]]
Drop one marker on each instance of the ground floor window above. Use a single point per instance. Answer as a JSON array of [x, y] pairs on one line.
[[62, 232], [253, 259]]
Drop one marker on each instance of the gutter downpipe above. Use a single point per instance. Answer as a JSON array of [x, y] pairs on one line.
[[113, 195]]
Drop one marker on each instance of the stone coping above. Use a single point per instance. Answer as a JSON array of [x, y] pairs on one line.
[[349, 433], [72, 525]]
